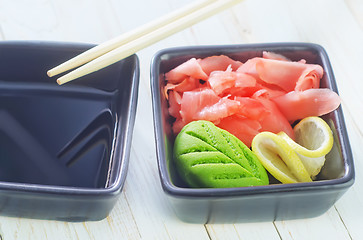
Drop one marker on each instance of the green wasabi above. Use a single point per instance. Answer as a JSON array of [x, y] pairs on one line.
[[209, 157]]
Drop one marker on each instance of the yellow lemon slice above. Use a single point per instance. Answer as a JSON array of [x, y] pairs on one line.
[[279, 159], [314, 139], [313, 135]]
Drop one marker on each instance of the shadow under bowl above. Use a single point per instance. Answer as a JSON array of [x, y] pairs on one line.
[[64, 150], [260, 203]]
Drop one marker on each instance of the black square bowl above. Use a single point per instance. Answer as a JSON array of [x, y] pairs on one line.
[[64, 150], [260, 203]]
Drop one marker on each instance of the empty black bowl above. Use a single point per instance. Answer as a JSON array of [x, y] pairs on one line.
[[64, 150], [260, 203]]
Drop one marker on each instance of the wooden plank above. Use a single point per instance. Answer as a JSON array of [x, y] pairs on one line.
[[25, 20], [16, 228], [118, 225], [1, 33], [327, 226], [85, 20], [350, 206], [263, 230], [59, 21], [346, 62], [356, 8]]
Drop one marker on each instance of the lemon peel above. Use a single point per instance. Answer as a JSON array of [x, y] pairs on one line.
[[314, 139], [279, 159], [292, 161]]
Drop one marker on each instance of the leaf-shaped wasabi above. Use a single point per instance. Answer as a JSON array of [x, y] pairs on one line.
[[209, 157]]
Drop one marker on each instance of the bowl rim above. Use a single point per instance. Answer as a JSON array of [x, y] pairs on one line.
[[172, 190], [121, 153]]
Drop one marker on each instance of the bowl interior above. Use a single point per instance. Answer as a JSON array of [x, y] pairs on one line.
[[338, 163], [60, 135]]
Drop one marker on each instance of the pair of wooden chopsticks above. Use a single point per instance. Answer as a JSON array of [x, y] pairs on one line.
[[129, 43]]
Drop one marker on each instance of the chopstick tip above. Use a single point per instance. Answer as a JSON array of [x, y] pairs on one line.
[[50, 73]]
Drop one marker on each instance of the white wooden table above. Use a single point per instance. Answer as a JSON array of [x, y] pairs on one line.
[[143, 210]]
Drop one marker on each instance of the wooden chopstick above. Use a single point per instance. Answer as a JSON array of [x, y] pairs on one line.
[[110, 54], [127, 37]]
